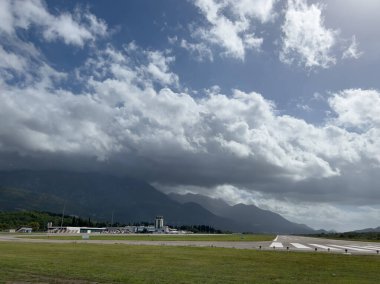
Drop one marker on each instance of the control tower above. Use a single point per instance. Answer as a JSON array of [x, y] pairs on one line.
[[159, 223]]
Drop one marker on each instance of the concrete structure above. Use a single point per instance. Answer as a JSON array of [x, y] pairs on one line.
[[158, 228], [25, 230], [159, 223], [76, 230]]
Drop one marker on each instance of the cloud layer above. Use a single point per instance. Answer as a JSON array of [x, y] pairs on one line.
[[131, 115]]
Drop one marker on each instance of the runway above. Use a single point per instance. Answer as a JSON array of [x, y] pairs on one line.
[[282, 243], [298, 243]]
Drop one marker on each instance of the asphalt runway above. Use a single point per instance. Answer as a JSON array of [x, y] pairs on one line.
[[280, 243], [298, 243]]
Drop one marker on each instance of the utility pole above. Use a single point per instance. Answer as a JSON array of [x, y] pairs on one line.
[[63, 213]]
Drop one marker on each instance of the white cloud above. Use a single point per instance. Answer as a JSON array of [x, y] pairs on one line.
[[74, 29], [357, 108], [305, 38], [10, 60], [304, 107], [150, 67], [6, 17], [252, 42], [231, 23], [158, 68], [258, 9], [353, 50], [200, 50]]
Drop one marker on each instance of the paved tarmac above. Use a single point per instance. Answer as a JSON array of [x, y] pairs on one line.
[[299, 243], [280, 243]]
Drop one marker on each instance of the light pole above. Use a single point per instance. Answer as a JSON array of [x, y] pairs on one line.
[[63, 213]]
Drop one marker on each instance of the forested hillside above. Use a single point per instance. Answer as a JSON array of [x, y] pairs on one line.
[[38, 220]]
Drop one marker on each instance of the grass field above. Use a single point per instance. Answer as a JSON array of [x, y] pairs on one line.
[[84, 263], [163, 237]]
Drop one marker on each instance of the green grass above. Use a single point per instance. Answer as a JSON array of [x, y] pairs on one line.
[[79, 263], [142, 237]]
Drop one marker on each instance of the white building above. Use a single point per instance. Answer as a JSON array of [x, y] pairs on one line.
[[159, 223]]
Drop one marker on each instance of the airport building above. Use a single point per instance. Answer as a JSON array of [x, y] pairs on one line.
[[75, 230], [158, 228], [159, 224]]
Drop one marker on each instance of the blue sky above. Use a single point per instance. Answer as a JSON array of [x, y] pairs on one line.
[[268, 102]]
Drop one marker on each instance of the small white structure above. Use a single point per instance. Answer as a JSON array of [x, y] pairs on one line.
[[76, 230], [25, 230], [73, 230]]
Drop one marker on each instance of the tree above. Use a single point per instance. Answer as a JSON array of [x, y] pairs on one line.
[[34, 225]]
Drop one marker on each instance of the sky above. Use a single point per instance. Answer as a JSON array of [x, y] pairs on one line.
[[268, 102]]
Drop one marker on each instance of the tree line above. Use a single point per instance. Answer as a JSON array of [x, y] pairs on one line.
[[38, 220], [353, 236]]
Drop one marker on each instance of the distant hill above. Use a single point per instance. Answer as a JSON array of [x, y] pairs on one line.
[[253, 218], [368, 230], [38, 220], [97, 196]]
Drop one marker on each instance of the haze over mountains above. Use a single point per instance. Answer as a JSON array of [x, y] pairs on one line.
[[97, 196], [253, 218], [369, 230]]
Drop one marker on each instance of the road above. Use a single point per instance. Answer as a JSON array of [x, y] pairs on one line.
[[280, 243]]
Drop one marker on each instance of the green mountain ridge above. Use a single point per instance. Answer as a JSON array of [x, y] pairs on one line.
[[255, 219], [99, 196]]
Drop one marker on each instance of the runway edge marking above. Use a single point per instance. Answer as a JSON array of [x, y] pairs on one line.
[[352, 248], [300, 246], [276, 245], [325, 247]]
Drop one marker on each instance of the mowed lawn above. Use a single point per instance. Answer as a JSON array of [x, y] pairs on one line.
[[164, 237], [82, 263]]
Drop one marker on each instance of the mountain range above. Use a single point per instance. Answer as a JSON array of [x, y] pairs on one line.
[[368, 230], [253, 218], [100, 196]]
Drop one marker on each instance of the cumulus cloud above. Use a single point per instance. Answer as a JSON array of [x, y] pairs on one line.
[[305, 38], [357, 108], [74, 29], [158, 68], [231, 24]]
